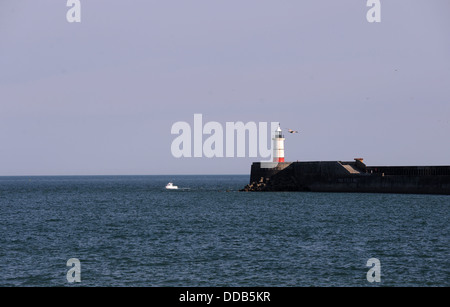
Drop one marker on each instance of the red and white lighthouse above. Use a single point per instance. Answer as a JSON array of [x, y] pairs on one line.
[[278, 145]]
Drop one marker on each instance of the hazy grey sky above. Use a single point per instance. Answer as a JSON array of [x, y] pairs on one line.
[[100, 96]]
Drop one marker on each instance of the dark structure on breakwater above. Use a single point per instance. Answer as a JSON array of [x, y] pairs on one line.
[[354, 176]]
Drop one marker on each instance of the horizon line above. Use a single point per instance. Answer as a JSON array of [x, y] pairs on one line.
[[123, 175]]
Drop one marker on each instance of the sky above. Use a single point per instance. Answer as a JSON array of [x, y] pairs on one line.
[[99, 97]]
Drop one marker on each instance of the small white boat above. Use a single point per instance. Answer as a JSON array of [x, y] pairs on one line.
[[170, 186]]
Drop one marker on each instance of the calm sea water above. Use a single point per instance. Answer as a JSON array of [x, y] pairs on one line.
[[130, 231]]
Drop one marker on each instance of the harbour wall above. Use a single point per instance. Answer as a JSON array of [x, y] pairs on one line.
[[354, 176]]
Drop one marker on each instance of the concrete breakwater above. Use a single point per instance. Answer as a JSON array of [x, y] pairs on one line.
[[354, 176]]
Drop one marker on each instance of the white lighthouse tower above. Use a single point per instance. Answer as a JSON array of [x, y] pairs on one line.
[[278, 145]]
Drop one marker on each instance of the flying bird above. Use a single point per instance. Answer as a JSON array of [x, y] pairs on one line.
[[292, 131]]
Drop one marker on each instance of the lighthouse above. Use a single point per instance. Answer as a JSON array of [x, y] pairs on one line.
[[278, 145]]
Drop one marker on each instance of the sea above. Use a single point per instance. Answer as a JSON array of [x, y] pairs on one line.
[[129, 231]]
